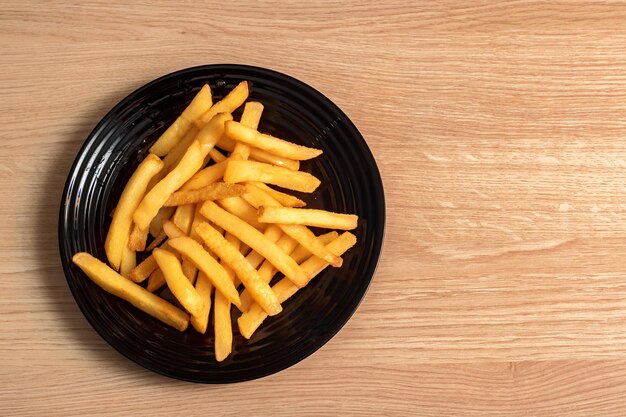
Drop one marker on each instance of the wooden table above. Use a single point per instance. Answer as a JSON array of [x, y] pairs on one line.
[[500, 132]]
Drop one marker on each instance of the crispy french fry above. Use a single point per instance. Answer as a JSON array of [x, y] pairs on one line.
[[210, 134], [272, 233], [307, 217], [280, 147], [301, 253], [143, 270], [284, 199], [112, 282], [257, 154], [205, 177], [193, 251], [137, 239], [156, 280], [156, 225], [221, 320], [243, 171], [302, 234], [158, 195], [177, 282], [251, 320], [240, 208], [183, 217], [119, 231], [173, 157], [172, 230], [217, 156], [267, 270], [129, 261], [250, 118], [204, 288], [255, 239], [200, 104], [229, 103], [260, 291], [214, 191], [157, 241]]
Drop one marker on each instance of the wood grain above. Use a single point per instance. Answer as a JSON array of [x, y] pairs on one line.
[[499, 129]]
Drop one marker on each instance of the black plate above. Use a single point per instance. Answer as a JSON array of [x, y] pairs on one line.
[[351, 183]]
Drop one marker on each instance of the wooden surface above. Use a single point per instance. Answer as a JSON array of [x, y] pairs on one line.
[[500, 132]]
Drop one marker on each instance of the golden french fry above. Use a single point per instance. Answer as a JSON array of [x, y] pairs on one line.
[[210, 134], [228, 104], [221, 319], [199, 105], [260, 291], [156, 280], [257, 198], [119, 231], [156, 225], [174, 156], [205, 177], [114, 283], [250, 118], [137, 239], [280, 147], [172, 230], [143, 270], [301, 253], [272, 233], [284, 199], [155, 198], [177, 282], [183, 217], [308, 217], [240, 208], [214, 191], [157, 241], [255, 239], [257, 154], [204, 288], [193, 251], [243, 171], [251, 320], [129, 261], [216, 155]]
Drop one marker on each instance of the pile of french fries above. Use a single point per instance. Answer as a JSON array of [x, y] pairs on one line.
[[219, 233]]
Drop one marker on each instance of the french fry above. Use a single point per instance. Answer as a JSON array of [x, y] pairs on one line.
[[260, 291], [119, 231], [250, 118], [301, 253], [143, 270], [177, 282], [280, 147], [172, 230], [204, 288], [205, 177], [155, 198], [243, 171], [129, 261], [137, 239], [157, 241], [173, 157], [284, 199], [257, 198], [251, 320], [256, 240], [307, 217], [193, 251], [217, 156], [257, 154], [214, 191], [235, 98], [183, 217], [156, 225], [221, 319], [272, 233], [210, 134], [156, 280], [113, 283], [200, 104], [240, 208]]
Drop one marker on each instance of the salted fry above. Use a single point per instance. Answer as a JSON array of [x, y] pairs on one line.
[[183, 217], [284, 199], [119, 231], [272, 233], [256, 154], [129, 261], [302, 234], [210, 134], [228, 104], [280, 147], [113, 283], [240, 208], [204, 288], [250, 118], [249, 321], [158, 195], [221, 319], [156, 225], [156, 280], [200, 104], [260, 291], [301, 253], [143, 270], [307, 217], [193, 251], [255, 239], [177, 282], [243, 171], [137, 239], [206, 177], [214, 191]]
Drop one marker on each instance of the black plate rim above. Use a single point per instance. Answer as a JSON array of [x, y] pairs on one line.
[[380, 233]]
